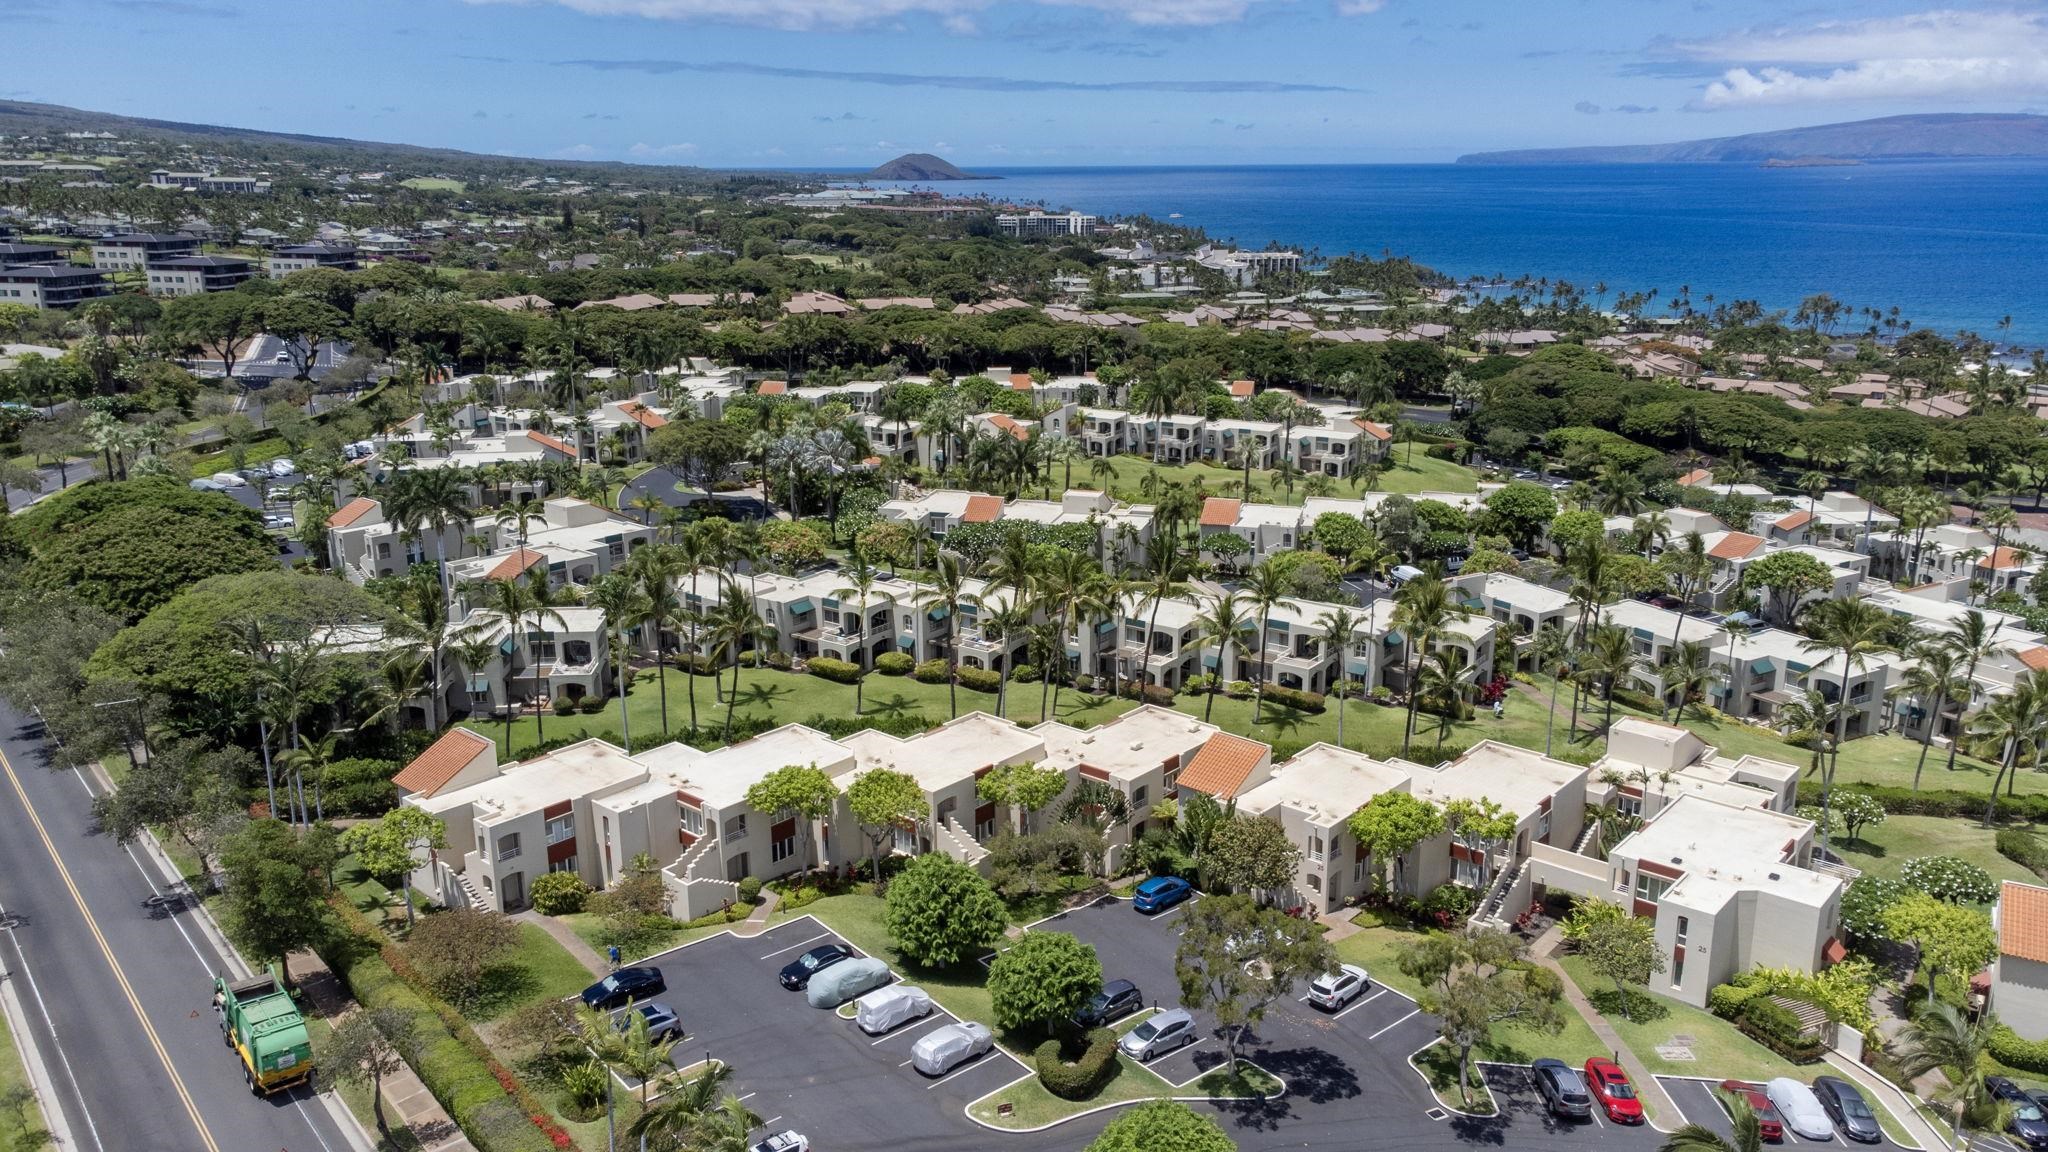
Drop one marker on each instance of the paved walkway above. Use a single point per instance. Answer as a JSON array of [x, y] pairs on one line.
[[407, 1103], [1646, 1084], [569, 940], [1904, 1108], [757, 920]]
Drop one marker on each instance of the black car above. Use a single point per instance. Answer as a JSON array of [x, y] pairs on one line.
[[623, 987], [1118, 999], [1564, 1094], [2028, 1122], [1846, 1108], [796, 974]]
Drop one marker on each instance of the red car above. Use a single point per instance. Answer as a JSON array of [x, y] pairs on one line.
[[1753, 1095], [1612, 1091]]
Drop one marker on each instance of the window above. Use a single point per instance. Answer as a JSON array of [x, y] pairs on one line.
[[1629, 805], [565, 864], [561, 828], [541, 645], [782, 849], [1651, 888], [736, 827], [1467, 873], [1621, 881], [1173, 781], [693, 820], [1677, 967], [1138, 796], [1683, 924], [508, 847], [983, 829], [1315, 882], [906, 839], [1315, 847], [1543, 825]]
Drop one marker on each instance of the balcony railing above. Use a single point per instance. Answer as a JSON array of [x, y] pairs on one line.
[[505, 853]]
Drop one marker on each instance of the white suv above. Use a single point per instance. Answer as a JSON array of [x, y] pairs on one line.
[[1333, 990]]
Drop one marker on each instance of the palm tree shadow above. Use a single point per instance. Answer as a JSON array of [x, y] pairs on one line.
[[1283, 718], [764, 695], [894, 707]]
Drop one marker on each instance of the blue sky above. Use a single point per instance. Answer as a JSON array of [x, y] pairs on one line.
[[849, 83]]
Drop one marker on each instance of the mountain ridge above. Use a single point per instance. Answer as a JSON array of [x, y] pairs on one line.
[[921, 167], [1936, 135]]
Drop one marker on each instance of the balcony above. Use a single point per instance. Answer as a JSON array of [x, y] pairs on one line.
[[505, 853]]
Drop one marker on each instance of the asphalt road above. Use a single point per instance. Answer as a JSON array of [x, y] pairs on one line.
[[118, 995], [661, 484]]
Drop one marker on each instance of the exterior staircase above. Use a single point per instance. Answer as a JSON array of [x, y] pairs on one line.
[[1509, 880], [952, 837], [694, 890], [461, 884]]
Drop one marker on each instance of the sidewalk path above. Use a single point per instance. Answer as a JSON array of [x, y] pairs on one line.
[[569, 940], [1647, 1084], [757, 920], [407, 1103]]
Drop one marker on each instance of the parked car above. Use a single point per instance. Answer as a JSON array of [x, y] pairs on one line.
[[785, 1141], [1159, 1034], [1846, 1108], [892, 1007], [1160, 893], [2028, 1122], [845, 980], [206, 484], [662, 1021], [623, 987], [1333, 990], [1800, 1109], [1118, 999], [943, 1049], [229, 480], [1767, 1122], [1612, 1091], [797, 974], [282, 466], [1564, 1094]]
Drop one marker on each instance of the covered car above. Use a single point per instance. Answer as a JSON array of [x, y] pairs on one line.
[[1800, 1109], [943, 1049], [845, 980], [886, 1008]]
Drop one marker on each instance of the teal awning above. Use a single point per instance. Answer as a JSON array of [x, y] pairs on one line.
[[1208, 659], [1475, 604], [1798, 668], [507, 645], [1502, 604], [1760, 667], [905, 640], [1105, 626], [831, 602], [1358, 668], [941, 612], [1643, 634], [1394, 640], [1276, 625], [479, 684], [801, 606]]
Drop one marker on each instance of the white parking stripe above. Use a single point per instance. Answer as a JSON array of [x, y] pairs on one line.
[[1361, 1004], [797, 945], [974, 1063], [1175, 1052], [1394, 1025], [905, 1030]]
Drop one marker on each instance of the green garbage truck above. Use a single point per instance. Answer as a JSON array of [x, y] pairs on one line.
[[261, 1022]]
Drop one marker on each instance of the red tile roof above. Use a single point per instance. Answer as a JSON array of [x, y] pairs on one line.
[[982, 508], [1009, 425], [773, 388], [547, 441], [1735, 546], [1696, 476], [1376, 431], [2023, 921], [1222, 765], [515, 564], [1241, 388], [443, 760], [351, 512], [644, 416], [2001, 557], [1220, 511], [2035, 657], [1021, 381], [1795, 521]]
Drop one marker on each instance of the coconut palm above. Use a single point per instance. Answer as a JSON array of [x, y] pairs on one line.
[[1338, 630], [1942, 1038], [1611, 661], [2015, 720], [1073, 589], [734, 626], [624, 605], [1552, 651], [700, 1113], [1972, 638], [948, 591], [1423, 610], [1223, 623], [860, 587], [656, 568], [1164, 568], [522, 514], [1856, 629], [1932, 680], [1746, 1133], [1687, 671], [1265, 587], [1442, 679]]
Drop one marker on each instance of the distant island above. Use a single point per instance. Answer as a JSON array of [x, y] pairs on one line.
[[1934, 136], [922, 167], [1811, 162]]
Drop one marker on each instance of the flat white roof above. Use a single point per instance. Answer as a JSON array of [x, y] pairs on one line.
[[1724, 850], [1519, 593], [1130, 745], [1326, 781], [581, 769], [945, 755], [721, 777], [1515, 778]]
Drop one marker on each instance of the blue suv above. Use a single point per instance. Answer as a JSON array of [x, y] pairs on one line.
[[1160, 893]]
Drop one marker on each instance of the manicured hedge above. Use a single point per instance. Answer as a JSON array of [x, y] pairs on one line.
[[2023, 849], [933, 671], [979, 679], [1085, 1076], [1727, 1000], [838, 671], [2032, 807], [2008, 1048], [1774, 1026], [1150, 694], [1294, 698], [895, 663], [1024, 674]]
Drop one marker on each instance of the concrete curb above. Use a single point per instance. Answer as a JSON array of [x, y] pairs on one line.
[[54, 1121]]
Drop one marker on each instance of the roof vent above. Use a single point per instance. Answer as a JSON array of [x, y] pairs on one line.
[[1678, 859], [1137, 745], [1774, 876]]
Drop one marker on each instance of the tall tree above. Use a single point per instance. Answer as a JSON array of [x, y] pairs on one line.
[[1235, 958]]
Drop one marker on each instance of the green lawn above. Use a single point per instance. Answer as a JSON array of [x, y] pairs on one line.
[[1034, 1107], [1885, 848], [1424, 474], [434, 184], [16, 1126], [1719, 1050], [587, 926], [538, 968]]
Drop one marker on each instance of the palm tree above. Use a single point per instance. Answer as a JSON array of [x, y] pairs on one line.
[[1073, 587], [948, 590], [1688, 669], [1442, 679], [1931, 679], [1265, 587], [422, 624], [523, 513], [433, 501], [1971, 637], [1224, 625], [656, 568], [1162, 581], [692, 1113], [1611, 660], [2015, 720], [1856, 629], [860, 586], [311, 758], [1423, 609], [474, 648], [734, 626], [624, 605], [1551, 649], [1005, 621], [1746, 1130], [1941, 1038], [1338, 631]]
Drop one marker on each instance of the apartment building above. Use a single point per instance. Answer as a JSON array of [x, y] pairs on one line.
[[2019, 973], [1337, 450], [133, 251], [576, 542], [1311, 797], [2021, 650], [1233, 442], [194, 275], [298, 257], [1123, 529], [1141, 754], [566, 653], [1658, 764], [1729, 887], [14, 254], [51, 286], [1033, 224], [1107, 432]]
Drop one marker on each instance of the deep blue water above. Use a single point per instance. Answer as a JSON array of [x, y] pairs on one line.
[[1953, 244]]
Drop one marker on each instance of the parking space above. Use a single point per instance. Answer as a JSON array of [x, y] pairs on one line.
[[1523, 1121], [809, 1068], [1701, 1104]]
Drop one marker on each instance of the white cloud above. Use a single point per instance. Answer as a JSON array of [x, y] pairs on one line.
[[576, 152], [661, 149], [1935, 55], [1359, 7], [958, 16]]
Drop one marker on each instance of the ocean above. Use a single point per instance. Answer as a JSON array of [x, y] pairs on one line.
[[1952, 244]]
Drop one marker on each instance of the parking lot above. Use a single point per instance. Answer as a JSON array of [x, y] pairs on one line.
[[1525, 1122], [807, 1068], [1696, 1098]]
